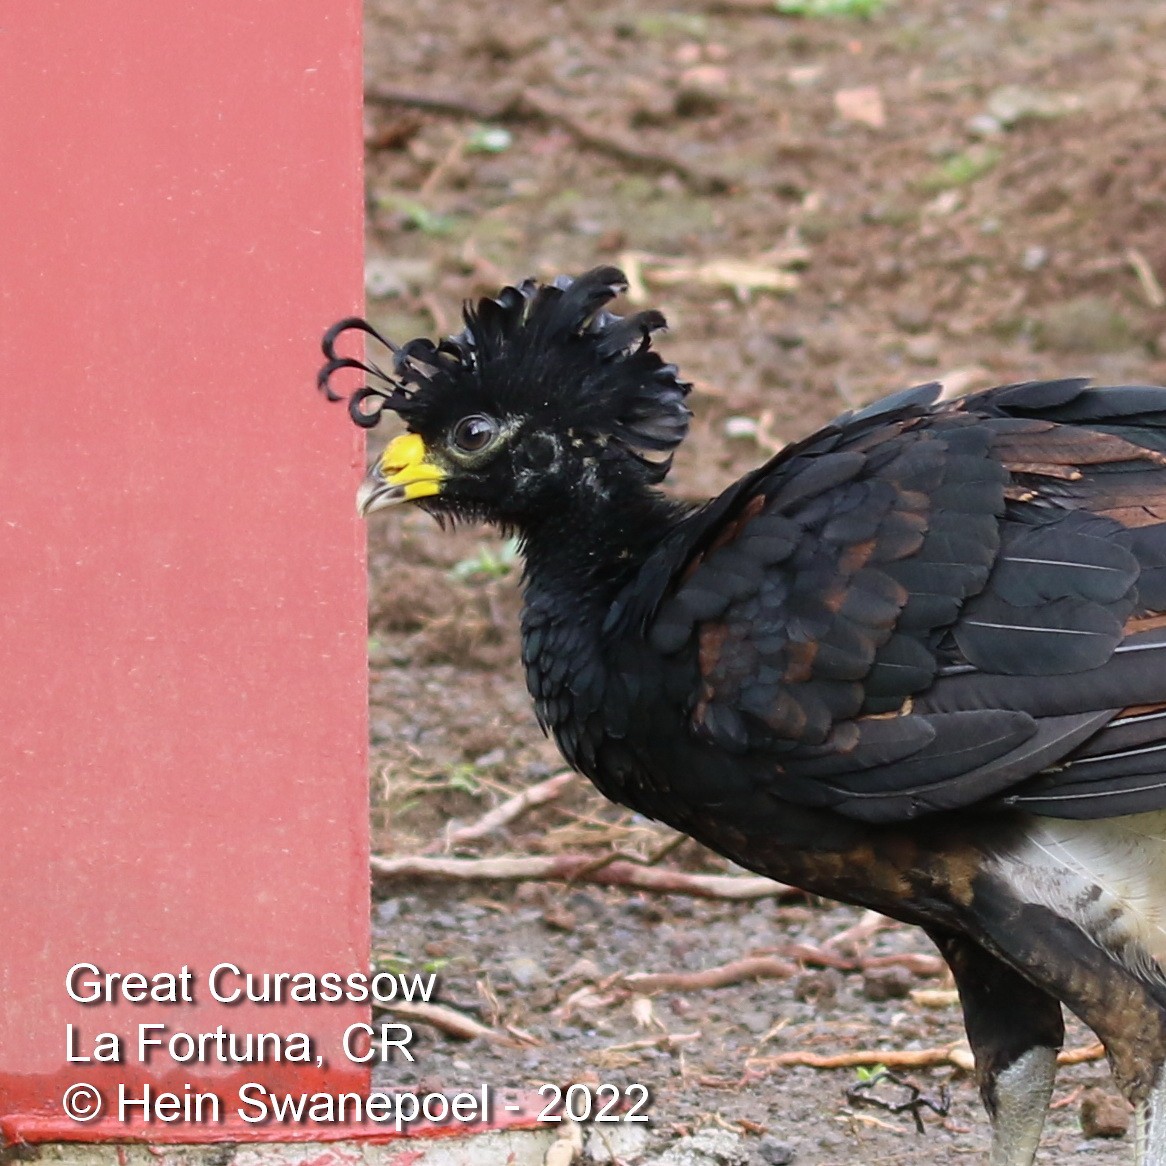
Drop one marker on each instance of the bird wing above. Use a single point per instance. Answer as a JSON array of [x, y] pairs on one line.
[[921, 609]]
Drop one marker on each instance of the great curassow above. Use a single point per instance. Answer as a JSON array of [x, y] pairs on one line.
[[915, 662]]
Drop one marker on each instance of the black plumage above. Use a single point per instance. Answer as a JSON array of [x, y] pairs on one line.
[[917, 661]]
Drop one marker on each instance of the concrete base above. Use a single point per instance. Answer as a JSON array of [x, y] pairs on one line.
[[513, 1147]]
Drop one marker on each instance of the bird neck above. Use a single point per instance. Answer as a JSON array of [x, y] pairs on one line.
[[590, 549], [578, 560]]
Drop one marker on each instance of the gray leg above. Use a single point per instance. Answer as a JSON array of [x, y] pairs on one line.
[[1150, 1126], [1023, 1091], [1015, 1030]]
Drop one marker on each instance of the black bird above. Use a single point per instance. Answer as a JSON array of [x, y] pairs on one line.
[[915, 662]]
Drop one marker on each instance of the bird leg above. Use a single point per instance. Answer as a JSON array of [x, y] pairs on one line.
[[1020, 1100], [1015, 1030], [1150, 1126]]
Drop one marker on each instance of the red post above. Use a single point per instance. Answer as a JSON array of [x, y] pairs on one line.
[[182, 725]]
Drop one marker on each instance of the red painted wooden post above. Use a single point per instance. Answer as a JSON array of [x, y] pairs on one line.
[[182, 736]]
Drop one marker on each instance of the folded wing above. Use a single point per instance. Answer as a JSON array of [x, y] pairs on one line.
[[926, 609]]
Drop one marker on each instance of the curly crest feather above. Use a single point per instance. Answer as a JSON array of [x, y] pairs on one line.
[[548, 350]]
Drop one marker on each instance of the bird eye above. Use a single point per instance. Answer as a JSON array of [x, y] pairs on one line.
[[473, 434]]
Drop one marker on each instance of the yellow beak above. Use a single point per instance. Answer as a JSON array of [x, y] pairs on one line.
[[402, 474]]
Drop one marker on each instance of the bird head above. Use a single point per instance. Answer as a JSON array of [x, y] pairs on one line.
[[544, 394]]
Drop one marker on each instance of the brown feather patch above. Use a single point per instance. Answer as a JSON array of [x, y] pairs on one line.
[[1071, 445], [856, 556], [1141, 710], [800, 657], [1046, 470], [712, 642], [1143, 623], [731, 530]]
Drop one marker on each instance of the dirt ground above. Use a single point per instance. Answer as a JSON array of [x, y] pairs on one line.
[[827, 209]]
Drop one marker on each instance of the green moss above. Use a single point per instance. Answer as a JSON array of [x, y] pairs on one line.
[[418, 216], [665, 24], [838, 9], [961, 169]]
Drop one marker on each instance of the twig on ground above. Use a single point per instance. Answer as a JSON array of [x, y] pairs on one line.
[[869, 925], [914, 1099], [956, 1055], [1094, 1052], [528, 106], [666, 848], [449, 1021], [587, 998], [588, 830], [738, 1126], [623, 149], [892, 1058], [490, 999], [739, 276], [766, 967], [644, 1014], [632, 264], [506, 811], [658, 855], [935, 998], [869, 1119], [448, 103], [566, 868], [808, 953], [436, 176], [666, 1040], [1147, 280], [917, 962], [749, 1127], [522, 1036], [750, 968], [1070, 1098]]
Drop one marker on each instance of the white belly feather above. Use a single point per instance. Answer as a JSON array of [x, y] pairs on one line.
[[1108, 876]]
